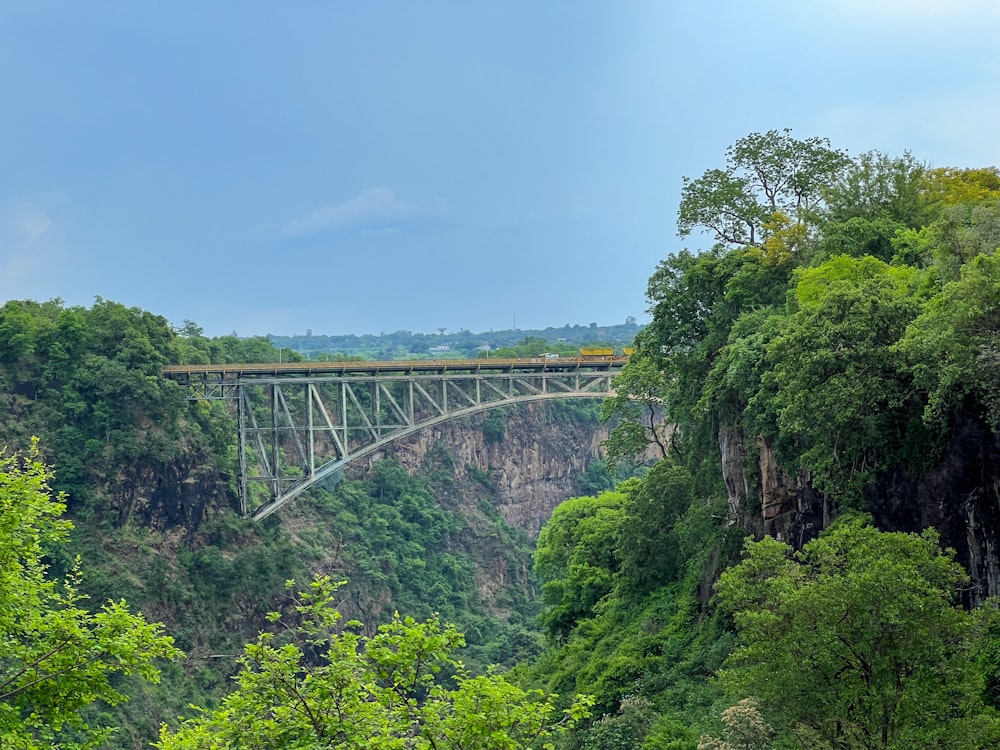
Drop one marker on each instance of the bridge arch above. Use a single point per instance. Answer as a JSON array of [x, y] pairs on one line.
[[300, 423]]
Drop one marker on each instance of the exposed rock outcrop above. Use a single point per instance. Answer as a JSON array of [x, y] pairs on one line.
[[164, 495], [959, 497], [763, 497], [535, 465]]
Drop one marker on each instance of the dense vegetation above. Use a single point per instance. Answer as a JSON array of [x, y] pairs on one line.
[[58, 658], [835, 344], [148, 478], [828, 372]]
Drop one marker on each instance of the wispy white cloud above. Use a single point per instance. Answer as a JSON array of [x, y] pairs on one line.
[[28, 223], [375, 210]]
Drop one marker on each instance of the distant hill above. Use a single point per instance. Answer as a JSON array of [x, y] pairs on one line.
[[458, 344]]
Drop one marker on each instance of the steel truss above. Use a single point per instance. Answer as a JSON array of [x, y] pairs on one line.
[[298, 431]]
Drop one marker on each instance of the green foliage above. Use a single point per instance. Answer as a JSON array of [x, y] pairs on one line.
[[696, 302], [408, 548], [960, 233], [495, 427], [596, 478], [577, 412], [861, 236], [953, 347], [845, 329], [637, 407], [620, 577], [325, 685], [876, 187], [58, 658], [624, 730], [90, 381], [765, 174], [857, 641], [576, 560], [814, 363], [837, 392], [647, 547]]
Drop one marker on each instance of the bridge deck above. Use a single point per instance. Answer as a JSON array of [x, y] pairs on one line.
[[405, 367]]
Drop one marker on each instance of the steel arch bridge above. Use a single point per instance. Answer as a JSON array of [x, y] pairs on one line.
[[301, 422]]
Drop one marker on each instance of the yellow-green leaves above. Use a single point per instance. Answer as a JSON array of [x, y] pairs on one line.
[[320, 686], [57, 656]]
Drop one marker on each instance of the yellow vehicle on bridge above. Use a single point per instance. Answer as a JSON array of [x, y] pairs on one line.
[[597, 352]]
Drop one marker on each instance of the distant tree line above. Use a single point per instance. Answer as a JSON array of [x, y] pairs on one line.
[[406, 344]]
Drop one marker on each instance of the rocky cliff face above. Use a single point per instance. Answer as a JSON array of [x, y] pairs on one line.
[[959, 497], [165, 495], [534, 466], [764, 498]]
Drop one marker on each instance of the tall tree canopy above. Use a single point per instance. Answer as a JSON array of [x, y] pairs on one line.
[[766, 174], [857, 641], [324, 685]]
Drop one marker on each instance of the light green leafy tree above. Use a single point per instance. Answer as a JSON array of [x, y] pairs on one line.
[[576, 558], [835, 388], [953, 347], [56, 657], [766, 174], [857, 641], [326, 686]]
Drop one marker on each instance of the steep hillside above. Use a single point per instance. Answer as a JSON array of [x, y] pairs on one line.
[[829, 367], [532, 457], [437, 525]]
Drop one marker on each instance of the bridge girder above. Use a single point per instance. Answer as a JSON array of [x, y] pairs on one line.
[[296, 431]]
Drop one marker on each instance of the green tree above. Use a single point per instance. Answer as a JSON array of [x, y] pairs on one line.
[[327, 686], [876, 186], [857, 641], [836, 390], [691, 321], [953, 347], [647, 550], [637, 407], [57, 658], [766, 174], [871, 202], [576, 559], [696, 300]]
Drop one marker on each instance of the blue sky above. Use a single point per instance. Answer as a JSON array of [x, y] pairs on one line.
[[357, 167]]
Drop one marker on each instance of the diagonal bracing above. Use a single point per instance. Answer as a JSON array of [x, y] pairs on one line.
[[297, 429]]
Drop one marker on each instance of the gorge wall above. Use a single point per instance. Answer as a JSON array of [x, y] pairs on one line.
[[535, 465], [958, 496]]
